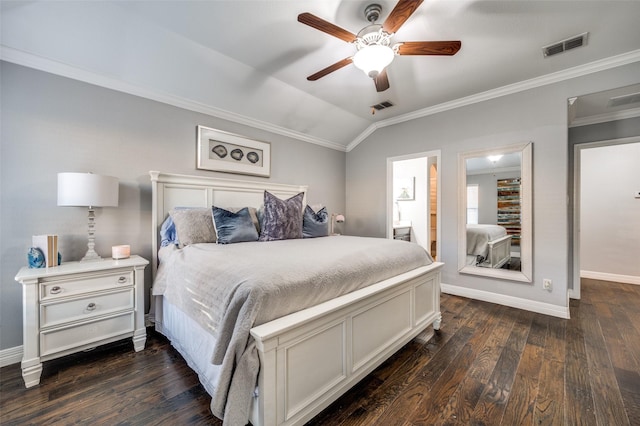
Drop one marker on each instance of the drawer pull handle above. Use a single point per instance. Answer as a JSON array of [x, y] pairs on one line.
[[91, 306], [55, 290], [122, 280]]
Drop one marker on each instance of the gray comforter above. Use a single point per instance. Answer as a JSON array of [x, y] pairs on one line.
[[228, 289]]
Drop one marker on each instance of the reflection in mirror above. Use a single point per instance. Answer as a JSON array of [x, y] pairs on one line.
[[495, 217]]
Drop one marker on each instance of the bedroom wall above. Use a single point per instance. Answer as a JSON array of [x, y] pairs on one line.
[[609, 213], [538, 115], [52, 124]]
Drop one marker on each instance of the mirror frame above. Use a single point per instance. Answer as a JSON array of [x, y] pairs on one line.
[[526, 239]]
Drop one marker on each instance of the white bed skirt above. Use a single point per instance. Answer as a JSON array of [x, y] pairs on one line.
[[193, 343]]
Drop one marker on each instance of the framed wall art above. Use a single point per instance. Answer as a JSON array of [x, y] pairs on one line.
[[405, 189], [220, 151]]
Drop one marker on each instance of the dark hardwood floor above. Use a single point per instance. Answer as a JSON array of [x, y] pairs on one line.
[[489, 365]]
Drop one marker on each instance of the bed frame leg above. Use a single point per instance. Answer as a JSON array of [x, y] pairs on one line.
[[437, 322]]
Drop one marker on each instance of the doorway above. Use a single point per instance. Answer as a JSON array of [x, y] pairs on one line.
[[413, 199], [605, 212]]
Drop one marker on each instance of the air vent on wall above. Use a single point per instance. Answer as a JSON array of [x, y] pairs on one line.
[[564, 45], [624, 100]]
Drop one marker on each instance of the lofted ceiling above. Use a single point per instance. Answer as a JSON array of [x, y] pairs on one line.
[[247, 61]]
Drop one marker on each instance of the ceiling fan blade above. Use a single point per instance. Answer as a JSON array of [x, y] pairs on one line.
[[403, 10], [382, 81], [330, 69], [429, 47], [326, 27]]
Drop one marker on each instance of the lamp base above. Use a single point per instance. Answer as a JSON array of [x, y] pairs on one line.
[[91, 256]]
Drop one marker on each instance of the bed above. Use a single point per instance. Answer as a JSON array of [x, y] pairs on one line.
[[295, 360], [488, 246]]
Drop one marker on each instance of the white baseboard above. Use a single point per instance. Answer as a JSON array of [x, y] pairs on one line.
[[605, 276], [14, 355], [501, 299], [10, 356]]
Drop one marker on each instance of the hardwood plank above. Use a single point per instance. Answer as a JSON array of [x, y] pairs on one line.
[[416, 390], [428, 411], [550, 398], [609, 408], [492, 403], [461, 404], [521, 405], [579, 408]]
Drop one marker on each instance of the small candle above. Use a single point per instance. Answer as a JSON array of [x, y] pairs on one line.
[[120, 252]]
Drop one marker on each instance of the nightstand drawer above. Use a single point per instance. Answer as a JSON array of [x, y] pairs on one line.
[[61, 339], [78, 309], [51, 289]]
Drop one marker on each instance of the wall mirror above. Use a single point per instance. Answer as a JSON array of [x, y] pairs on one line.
[[495, 214]]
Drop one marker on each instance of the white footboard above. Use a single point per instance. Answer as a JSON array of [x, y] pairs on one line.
[[499, 252], [310, 358]]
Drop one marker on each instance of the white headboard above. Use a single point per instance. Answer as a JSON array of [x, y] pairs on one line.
[[173, 190]]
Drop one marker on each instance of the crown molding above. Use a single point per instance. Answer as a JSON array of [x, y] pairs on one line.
[[579, 71], [41, 63], [604, 118]]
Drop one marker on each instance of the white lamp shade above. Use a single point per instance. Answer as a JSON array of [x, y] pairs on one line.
[[339, 218], [87, 190], [373, 59]]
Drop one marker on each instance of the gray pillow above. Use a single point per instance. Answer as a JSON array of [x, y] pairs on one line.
[[193, 225], [234, 227], [315, 224], [281, 219]]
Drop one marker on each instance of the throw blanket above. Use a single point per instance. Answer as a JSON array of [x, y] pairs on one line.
[[478, 237], [229, 289]]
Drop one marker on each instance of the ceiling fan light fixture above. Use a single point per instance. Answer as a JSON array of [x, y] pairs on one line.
[[372, 59]]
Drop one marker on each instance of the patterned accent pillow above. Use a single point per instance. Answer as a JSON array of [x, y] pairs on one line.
[[234, 227], [193, 225], [315, 224], [282, 219]]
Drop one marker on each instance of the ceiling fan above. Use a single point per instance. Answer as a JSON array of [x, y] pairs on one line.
[[374, 52]]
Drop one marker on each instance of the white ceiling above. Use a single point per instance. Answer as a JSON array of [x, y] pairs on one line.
[[247, 61]]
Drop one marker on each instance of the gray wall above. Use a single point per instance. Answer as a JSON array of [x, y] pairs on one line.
[[538, 115], [609, 213], [52, 124]]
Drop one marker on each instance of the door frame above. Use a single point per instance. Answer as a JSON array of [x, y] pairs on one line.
[[389, 199]]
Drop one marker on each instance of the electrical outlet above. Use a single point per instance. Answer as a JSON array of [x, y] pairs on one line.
[[546, 284], [637, 194]]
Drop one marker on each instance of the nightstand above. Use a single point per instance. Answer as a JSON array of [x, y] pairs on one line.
[[77, 306], [402, 233]]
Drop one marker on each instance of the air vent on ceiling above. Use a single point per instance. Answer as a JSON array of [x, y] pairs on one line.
[[564, 45], [624, 100], [382, 105]]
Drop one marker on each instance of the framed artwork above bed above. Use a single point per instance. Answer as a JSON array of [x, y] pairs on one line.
[[220, 151]]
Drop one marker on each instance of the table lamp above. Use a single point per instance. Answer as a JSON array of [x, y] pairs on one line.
[[88, 190]]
